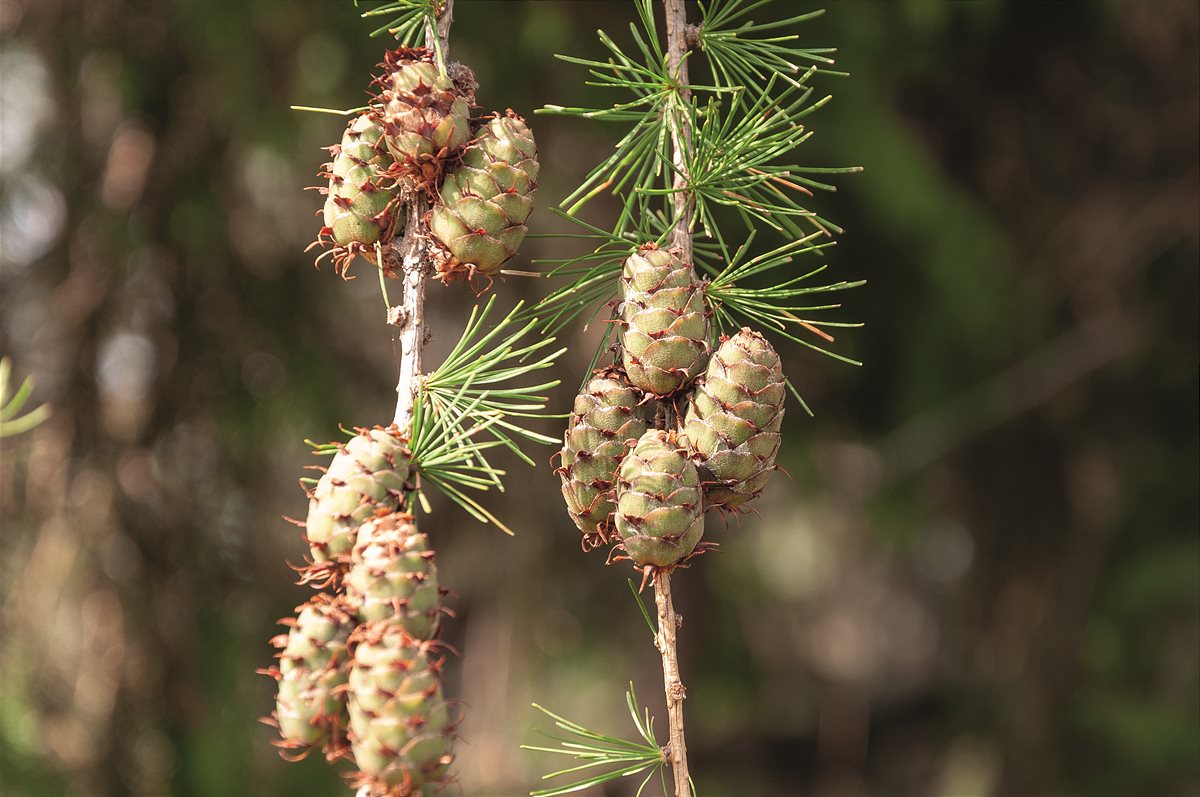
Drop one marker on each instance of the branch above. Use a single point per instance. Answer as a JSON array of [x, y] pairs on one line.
[[413, 253], [681, 128], [681, 238], [664, 640], [411, 250], [442, 34]]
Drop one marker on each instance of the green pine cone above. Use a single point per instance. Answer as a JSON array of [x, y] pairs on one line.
[[480, 217], [665, 321], [660, 512], [424, 113], [313, 662], [392, 575], [607, 414], [367, 476], [733, 419], [400, 726], [359, 201]]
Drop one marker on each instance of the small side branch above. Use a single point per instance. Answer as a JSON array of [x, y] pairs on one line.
[[664, 640]]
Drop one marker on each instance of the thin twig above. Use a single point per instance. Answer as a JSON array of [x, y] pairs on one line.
[[681, 238], [414, 268], [664, 640], [681, 128], [444, 19], [413, 252]]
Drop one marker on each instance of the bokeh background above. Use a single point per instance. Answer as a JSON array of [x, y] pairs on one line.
[[982, 578]]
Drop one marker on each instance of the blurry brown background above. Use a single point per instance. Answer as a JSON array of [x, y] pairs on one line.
[[982, 579]]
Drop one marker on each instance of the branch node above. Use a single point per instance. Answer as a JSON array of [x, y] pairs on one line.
[[677, 692]]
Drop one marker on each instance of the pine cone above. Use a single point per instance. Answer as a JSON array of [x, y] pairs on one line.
[[400, 727], [425, 117], [313, 663], [360, 201], [665, 323], [733, 419], [367, 476], [660, 513], [607, 414], [479, 219], [392, 575]]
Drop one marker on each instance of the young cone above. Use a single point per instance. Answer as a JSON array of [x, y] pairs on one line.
[[665, 321], [480, 217], [313, 663], [392, 575], [608, 413], [360, 202], [660, 512], [424, 114], [400, 728], [367, 476], [733, 419]]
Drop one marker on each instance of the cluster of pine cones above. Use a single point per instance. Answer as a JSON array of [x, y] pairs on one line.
[[358, 671], [417, 139], [627, 479]]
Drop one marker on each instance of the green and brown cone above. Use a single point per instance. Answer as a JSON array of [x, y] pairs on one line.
[[400, 725], [664, 335], [392, 575], [608, 413], [368, 476], [733, 419], [480, 216], [424, 113], [660, 512], [360, 201], [313, 663]]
